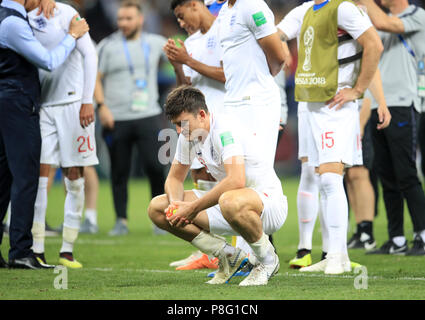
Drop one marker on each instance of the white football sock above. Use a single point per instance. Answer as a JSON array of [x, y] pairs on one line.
[[39, 223], [244, 246], [399, 241], [91, 215], [336, 211], [74, 203], [307, 205], [8, 216], [208, 243], [263, 249], [323, 225]]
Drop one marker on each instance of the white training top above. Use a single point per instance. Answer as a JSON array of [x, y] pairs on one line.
[[351, 20], [206, 49], [73, 80], [226, 139], [244, 62]]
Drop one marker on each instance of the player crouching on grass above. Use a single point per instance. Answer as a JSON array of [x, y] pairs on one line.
[[247, 200]]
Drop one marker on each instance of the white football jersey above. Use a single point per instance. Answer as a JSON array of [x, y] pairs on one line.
[[206, 49], [245, 64], [73, 80], [351, 20], [225, 140]]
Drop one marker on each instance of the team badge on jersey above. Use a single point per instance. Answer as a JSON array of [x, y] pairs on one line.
[[41, 23]]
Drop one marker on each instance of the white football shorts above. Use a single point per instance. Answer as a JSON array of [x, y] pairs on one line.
[[333, 133], [273, 216], [64, 142], [262, 118]]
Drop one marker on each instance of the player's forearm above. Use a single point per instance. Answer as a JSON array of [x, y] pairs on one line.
[[180, 76], [174, 189], [274, 51], [215, 73]]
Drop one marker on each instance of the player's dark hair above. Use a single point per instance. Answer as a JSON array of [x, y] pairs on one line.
[[131, 3], [184, 99], [176, 3]]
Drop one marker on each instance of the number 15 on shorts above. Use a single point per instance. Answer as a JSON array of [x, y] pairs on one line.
[[328, 140]]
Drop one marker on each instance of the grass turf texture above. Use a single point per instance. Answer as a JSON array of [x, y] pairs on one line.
[[136, 266]]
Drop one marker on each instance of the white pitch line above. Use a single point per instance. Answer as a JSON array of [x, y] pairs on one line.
[[286, 274]]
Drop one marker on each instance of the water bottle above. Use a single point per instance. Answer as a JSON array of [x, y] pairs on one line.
[[421, 77]]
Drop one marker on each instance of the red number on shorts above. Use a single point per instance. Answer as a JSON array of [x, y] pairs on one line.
[[327, 140], [80, 148], [82, 143], [91, 148]]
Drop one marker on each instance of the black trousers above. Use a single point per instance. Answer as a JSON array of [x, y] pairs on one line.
[[142, 133], [421, 138], [395, 155], [20, 145]]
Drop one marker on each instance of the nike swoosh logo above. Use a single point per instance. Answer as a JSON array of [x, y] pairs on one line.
[[370, 246], [399, 250], [402, 124]]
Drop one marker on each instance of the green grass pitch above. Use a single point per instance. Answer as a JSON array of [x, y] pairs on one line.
[[136, 266]]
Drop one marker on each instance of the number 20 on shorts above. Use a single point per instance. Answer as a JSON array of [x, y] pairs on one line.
[[327, 140], [84, 144]]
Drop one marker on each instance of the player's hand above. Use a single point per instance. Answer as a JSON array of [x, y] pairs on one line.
[[106, 118], [179, 55], [184, 215], [86, 115], [342, 97], [384, 117], [47, 7], [175, 64], [78, 27]]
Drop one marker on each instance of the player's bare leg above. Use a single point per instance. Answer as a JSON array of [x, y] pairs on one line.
[[74, 203], [242, 209], [197, 233]]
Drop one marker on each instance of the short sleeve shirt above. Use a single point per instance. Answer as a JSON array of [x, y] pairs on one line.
[[244, 62], [226, 140], [118, 82]]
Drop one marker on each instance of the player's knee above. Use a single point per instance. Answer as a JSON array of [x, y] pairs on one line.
[[156, 208], [230, 206], [74, 173]]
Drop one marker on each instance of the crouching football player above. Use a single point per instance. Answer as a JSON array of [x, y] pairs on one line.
[[247, 200]]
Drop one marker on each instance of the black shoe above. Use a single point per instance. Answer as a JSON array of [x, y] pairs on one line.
[[362, 241], [42, 261], [390, 247], [29, 262], [3, 263], [418, 248], [323, 256]]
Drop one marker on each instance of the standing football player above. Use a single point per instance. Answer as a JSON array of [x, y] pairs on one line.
[[67, 128]]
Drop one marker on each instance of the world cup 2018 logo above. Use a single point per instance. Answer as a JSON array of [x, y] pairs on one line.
[[308, 45]]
